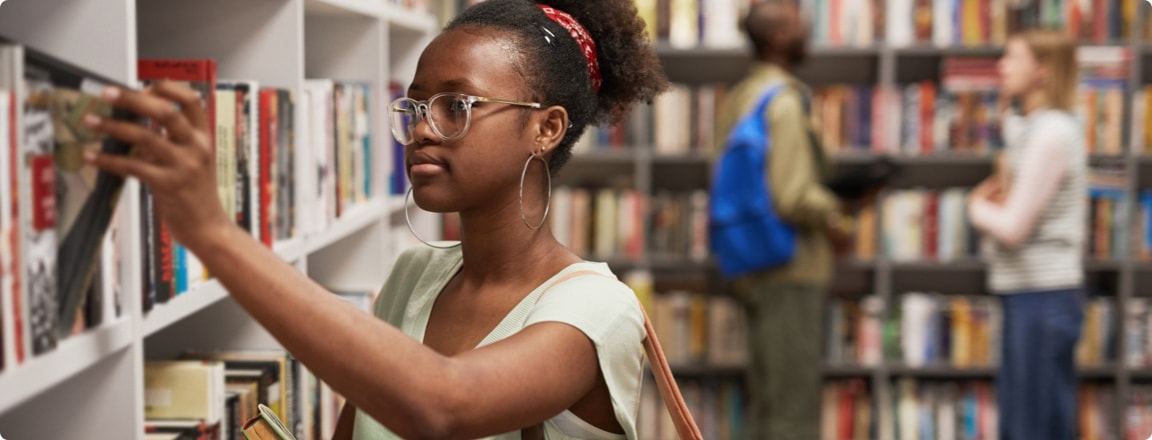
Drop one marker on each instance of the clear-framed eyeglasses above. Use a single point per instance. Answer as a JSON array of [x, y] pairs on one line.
[[449, 114]]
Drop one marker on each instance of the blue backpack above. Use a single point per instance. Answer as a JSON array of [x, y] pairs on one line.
[[745, 233]]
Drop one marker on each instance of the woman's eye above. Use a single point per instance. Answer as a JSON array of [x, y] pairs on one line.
[[458, 106]]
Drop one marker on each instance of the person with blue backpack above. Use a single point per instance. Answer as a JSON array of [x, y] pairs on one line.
[[774, 226]]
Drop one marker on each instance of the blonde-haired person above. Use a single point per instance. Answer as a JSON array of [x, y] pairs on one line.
[[1033, 218]]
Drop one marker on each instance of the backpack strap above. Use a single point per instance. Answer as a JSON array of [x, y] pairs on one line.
[[665, 382]]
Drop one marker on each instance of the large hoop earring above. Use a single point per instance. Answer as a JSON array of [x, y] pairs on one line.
[[408, 220], [524, 172]]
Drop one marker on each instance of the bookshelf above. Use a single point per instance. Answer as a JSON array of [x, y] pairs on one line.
[[94, 380], [1120, 279]]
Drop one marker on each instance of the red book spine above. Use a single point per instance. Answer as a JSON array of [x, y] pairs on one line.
[[931, 224], [201, 73], [927, 124], [267, 147]]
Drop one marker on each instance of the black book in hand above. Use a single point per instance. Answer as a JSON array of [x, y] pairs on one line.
[[857, 182]]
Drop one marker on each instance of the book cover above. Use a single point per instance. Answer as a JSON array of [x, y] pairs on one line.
[[38, 217], [184, 390], [11, 74], [5, 225], [267, 157]]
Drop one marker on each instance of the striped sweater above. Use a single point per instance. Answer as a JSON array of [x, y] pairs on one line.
[[1035, 241]]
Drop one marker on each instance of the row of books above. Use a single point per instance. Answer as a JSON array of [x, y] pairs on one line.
[[918, 410], [59, 270], [700, 329], [977, 23], [924, 329], [275, 148], [1137, 330], [943, 410], [919, 224], [953, 410], [1138, 413], [717, 407], [899, 23], [847, 411], [962, 331], [608, 224], [211, 394], [691, 23], [916, 224], [956, 114]]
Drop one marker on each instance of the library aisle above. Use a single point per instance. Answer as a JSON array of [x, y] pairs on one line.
[[306, 164]]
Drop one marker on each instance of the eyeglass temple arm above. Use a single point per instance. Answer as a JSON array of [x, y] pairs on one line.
[[503, 101]]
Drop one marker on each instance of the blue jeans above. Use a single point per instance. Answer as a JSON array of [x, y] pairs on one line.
[[1036, 387]]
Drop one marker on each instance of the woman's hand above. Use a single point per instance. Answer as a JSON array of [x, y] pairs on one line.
[[990, 190], [176, 161]]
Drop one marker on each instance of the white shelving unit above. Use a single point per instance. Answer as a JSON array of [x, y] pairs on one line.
[[91, 386]]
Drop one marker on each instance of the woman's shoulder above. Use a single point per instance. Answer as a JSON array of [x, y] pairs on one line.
[[412, 265], [592, 299], [1058, 120]]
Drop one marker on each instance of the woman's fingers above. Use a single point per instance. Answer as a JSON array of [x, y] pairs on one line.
[[150, 142], [190, 101], [126, 166], [170, 115]]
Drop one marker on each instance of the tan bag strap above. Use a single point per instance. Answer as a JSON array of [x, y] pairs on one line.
[[665, 383]]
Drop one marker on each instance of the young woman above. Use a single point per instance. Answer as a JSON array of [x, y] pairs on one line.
[[505, 331], [1033, 214]]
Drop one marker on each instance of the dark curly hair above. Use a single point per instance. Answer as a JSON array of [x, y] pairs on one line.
[[558, 75]]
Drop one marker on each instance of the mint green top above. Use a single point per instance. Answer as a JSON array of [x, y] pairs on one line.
[[601, 307]]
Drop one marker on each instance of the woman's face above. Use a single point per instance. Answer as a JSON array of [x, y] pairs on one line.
[[1020, 72], [453, 175]]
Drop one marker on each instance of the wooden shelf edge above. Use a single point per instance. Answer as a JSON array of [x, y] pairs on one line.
[[73, 356]]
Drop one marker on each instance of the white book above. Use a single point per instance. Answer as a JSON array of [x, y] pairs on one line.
[[906, 409], [17, 333], [899, 22], [946, 413], [226, 148], [915, 321], [683, 28], [323, 148], [942, 22], [605, 235], [306, 200], [721, 24], [248, 155]]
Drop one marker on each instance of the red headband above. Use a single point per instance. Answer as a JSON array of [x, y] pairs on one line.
[[582, 37]]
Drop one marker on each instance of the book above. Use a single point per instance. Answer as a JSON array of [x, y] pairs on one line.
[[266, 426], [71, 203], [184, 390]]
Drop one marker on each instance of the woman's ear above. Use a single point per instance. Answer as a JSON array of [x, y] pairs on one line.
[[551, 127]]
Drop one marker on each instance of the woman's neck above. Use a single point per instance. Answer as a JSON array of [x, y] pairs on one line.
[[507, 251], [1032, 101]]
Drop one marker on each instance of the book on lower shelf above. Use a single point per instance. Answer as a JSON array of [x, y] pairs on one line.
[[700, 329], [222, 390], [717, 407]]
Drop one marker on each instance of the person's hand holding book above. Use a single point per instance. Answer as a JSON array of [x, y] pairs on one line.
[[175, 160]]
